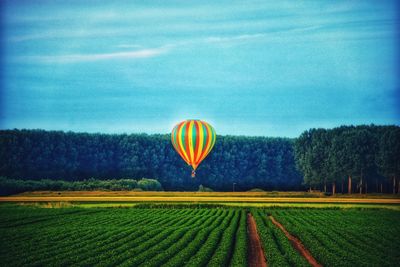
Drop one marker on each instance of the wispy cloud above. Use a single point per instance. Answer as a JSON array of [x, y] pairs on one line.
[[143, 53], [242, 37], [129, 46]]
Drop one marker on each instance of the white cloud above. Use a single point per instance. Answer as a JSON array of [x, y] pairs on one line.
[[143, 53]]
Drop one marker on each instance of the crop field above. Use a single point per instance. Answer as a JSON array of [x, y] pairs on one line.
[[126, 237], [194, 236], [335, 237]]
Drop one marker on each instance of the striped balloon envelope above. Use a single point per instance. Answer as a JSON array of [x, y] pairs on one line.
[[193, 140]]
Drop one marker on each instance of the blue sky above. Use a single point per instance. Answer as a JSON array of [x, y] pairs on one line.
[[273, 68]]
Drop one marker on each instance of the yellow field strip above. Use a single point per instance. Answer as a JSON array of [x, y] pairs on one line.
[[271, 194], [198, 199]]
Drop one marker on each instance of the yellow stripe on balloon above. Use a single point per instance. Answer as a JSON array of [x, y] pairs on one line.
[[173, 137], [207, 148], [175, 142], [190, 138], [200, 136], [213, 138], [193, 144], [179, 137]]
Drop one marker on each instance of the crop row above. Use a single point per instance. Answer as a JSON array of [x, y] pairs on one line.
[[239, 253], [46, 236], [56, 243], [350, 237], [214, 245], [277, 248], [178, 230], [353, 222], [191, 246], [344, 238], [129, 237], [117, 250]]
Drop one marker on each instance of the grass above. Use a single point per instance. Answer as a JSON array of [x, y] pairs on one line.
[[95, 199], [64, 204], [270, 194], [236, 199]]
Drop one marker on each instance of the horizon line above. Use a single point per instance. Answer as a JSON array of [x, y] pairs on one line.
[[146, 133]]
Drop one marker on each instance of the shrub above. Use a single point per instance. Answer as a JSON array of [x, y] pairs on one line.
[[13, 186], [149, 185], [204, 189], [256, 190]]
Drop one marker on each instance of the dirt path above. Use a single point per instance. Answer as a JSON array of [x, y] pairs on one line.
[[296, 243], [256, 253]]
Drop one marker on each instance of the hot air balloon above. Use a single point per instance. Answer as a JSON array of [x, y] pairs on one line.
[[193, 140]]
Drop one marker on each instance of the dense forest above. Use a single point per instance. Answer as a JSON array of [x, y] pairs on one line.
[[357, 158], [344, 159], [240, 162]]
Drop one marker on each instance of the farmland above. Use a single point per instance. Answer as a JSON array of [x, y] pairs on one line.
[[129, 237], [245, 198], [198, 235], [351, 237], [334, 237]]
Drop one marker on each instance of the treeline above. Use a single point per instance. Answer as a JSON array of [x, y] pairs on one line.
[[240, 162], [13, 186], [361, 158], [343, 159]]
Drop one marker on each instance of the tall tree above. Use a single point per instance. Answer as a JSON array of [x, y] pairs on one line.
[[326, 156], [388, 156], [303, 156]]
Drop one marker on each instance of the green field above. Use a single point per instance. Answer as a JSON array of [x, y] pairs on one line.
[[193, 236], [335, 237]]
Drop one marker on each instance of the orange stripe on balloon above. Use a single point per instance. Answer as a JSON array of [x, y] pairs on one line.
[[173, 137], [186, 136], [201, 142], [212, 141], [179, 137], [208, 148], [213, 138], [175, 142], [207, 142], [193, 140], [190, 140], [196, 149]]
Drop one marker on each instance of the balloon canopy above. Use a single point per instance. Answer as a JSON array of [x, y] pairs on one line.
[[193, 140]]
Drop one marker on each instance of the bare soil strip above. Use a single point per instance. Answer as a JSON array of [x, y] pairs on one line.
[[296, 243], [256, 253]]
